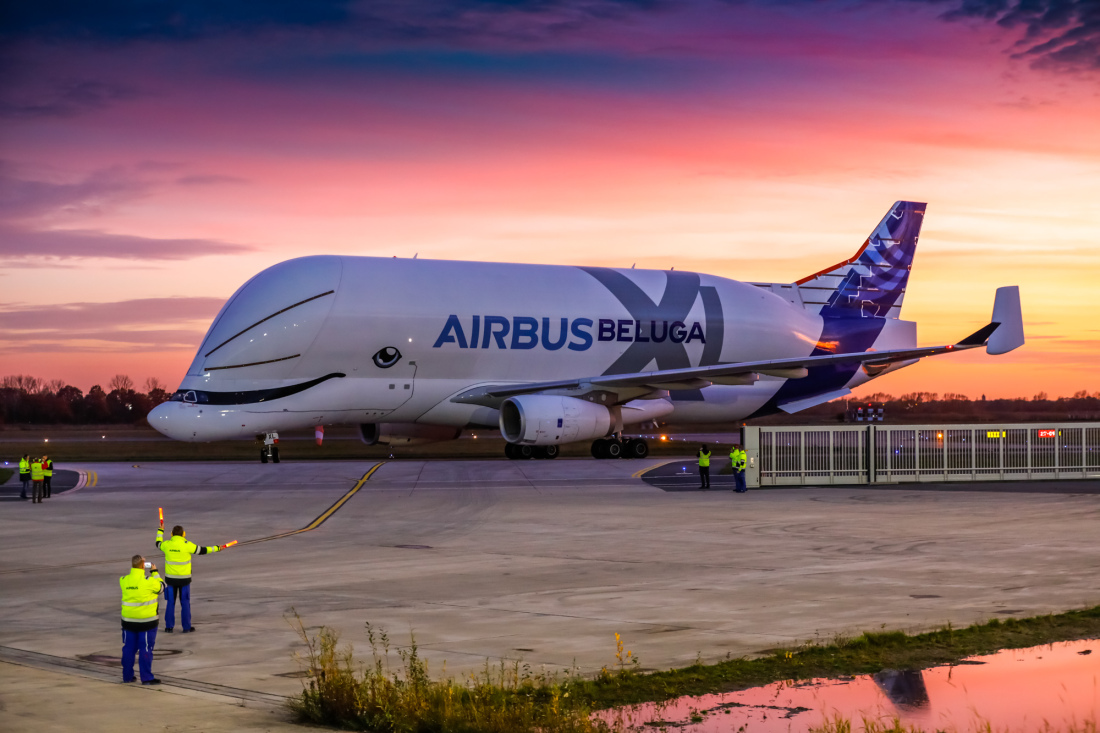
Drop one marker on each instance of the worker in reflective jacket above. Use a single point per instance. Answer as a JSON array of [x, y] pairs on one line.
[[140, 619], [739, 459], [177, 574], [704, 467]]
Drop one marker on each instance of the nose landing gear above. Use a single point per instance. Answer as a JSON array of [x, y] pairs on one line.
[[270, 448]]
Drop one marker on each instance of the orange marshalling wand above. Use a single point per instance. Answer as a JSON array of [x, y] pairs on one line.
[[160, 510]]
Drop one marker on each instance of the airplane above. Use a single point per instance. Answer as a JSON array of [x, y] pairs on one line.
[[416, 350]]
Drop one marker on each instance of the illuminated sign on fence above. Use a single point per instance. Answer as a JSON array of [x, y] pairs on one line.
[[1048, 433], [995, 434]]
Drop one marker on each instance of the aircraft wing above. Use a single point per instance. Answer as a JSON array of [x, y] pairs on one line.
[[998, 337]]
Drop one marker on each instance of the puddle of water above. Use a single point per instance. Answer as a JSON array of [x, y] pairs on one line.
[[1013, 690]]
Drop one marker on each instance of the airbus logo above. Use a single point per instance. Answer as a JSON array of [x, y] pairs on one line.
[[578, 334]]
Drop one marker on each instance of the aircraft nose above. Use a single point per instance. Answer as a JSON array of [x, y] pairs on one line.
[[161, 419]]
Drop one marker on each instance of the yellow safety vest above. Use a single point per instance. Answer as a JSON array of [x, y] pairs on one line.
[[704, 459], [177, 555], [739, 458], [24, 466], [36, 471], [139, 595], [47, 468]]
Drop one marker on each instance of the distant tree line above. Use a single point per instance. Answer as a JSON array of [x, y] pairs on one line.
[[26, 400]]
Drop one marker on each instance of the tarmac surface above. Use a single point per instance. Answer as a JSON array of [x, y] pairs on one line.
[[542, 561]]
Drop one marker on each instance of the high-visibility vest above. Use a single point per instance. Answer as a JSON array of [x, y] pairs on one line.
[[24, 465], [704, 459], [177, 555], [139, 595], [47, 468], [739, 458], [36, 471]]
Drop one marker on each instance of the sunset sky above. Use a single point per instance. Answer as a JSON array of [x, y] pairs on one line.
[[152, 159]]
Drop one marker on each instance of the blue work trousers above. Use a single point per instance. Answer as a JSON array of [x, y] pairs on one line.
[[739, 480], [140, 643], [184, 594], [25, 478]]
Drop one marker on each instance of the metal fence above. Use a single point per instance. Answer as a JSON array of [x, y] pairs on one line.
[[867, 454]]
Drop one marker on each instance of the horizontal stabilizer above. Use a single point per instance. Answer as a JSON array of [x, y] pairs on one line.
[[1009, 317]]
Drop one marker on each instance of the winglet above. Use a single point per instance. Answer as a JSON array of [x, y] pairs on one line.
[[1007, 313]]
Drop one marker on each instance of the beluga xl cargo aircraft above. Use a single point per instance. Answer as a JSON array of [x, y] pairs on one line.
[[417, 350]]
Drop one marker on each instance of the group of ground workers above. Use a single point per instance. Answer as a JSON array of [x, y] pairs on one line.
[[39, 473], [141, 599], [738, 459]]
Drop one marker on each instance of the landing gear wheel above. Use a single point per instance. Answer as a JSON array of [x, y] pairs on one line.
[[510, 451], [263, 455], [637, 448], [525, 451], [274, 454], [613, 449], [598, 448], [551, 451]]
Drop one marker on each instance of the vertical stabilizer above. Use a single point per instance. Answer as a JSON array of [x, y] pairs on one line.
[[870, 284]]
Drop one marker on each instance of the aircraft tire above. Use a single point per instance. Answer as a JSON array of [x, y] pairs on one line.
[[525, 451], [274, 454], [638, 448], [551, 451], [598, 448], [263, 455], [613, 449], [510, 451]]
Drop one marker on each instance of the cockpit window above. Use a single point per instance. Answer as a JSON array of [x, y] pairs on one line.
[[267, 318]]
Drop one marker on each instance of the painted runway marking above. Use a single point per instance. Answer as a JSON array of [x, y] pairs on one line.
[[644, 471], [312, 525], [324, 515]]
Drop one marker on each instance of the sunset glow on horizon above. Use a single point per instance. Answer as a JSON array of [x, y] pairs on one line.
[[151, 165]]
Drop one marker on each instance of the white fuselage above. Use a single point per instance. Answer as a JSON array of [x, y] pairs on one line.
[[458, 325]]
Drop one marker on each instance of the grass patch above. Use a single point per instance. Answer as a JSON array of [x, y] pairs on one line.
[[404, 698], [5, 474], [507, 698]]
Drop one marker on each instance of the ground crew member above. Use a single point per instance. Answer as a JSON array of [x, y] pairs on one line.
[[47, 475], [704, 467], [177, 574], [739, 459], [24, 474], [140, 619], [36, 479]]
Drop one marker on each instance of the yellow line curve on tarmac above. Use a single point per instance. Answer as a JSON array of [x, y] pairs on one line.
[[324, 515], [644, 471], [312, 525]]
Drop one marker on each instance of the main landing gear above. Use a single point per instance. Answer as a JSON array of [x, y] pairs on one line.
[[616, 448], [270, 449], [523, 452], [602, 448]]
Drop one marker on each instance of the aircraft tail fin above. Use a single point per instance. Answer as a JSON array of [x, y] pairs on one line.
[[871, 283]]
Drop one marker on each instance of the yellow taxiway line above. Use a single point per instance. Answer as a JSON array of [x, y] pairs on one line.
[[324, 515], [644, 471]]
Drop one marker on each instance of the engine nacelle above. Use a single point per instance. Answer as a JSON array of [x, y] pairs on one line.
[[552, 420], [406, 433]]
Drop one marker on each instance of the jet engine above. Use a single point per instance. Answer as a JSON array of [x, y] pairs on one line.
[[406, 433], [552, 420]]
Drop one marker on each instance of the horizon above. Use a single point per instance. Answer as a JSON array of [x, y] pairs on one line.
[[152, 163]]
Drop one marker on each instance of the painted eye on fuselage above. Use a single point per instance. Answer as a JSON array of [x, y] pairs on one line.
[[387, 357]]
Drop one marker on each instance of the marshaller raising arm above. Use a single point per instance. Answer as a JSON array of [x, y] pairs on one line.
[[177, 572]]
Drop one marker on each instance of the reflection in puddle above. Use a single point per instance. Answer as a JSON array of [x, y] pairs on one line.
[[1013, 690]]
